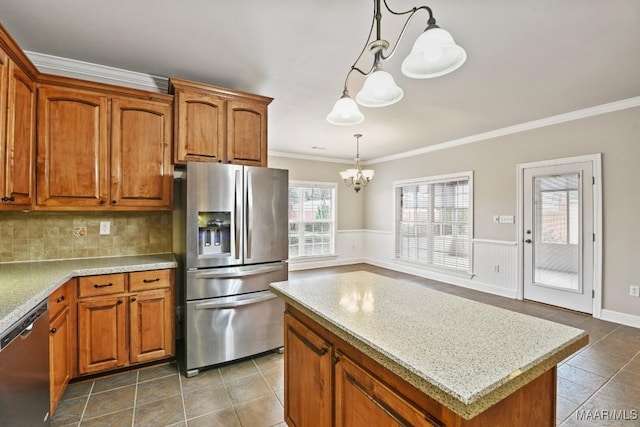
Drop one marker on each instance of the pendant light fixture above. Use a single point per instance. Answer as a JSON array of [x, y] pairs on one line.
[[356, 176], [434, 54]]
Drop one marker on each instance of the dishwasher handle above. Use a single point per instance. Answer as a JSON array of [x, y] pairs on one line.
[[237, 303]]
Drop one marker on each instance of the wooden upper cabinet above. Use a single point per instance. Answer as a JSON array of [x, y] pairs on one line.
[[199, 127], [72, 168], [17, 140], [214, 124], [141, 170], [247, 133]]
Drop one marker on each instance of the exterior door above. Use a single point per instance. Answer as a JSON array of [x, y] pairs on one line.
[[266, 215], [558, 230]]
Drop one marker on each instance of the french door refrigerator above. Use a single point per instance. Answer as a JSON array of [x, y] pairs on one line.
[[230, 234]]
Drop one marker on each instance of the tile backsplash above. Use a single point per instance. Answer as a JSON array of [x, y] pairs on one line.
[[30, 236]]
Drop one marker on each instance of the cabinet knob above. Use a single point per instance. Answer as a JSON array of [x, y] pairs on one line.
[[133, 299], [53, 330], [119, 301], [219, 160], [114, 202], [59, 300], [228, 161], [102, 203]]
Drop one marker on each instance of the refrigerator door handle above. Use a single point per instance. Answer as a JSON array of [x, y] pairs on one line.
[[238, 217], [234, 304], [249, 217], [243, 273]]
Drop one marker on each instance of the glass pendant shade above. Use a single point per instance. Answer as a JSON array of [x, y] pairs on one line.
[[368, 174], [379, 90], [345, 112], [434, 54]]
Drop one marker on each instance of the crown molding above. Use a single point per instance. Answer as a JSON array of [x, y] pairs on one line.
[[522, 127], [95, 72], [308, 157]]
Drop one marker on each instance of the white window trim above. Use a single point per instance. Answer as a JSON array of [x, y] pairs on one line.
[[334, 214], [434, 180]]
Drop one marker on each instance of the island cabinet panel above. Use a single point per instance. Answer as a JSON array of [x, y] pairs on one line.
[[141, 174], [214, 124], [125, 319], [17, 136], [62, 328], [72, 168], [308, 396], [365, 393]]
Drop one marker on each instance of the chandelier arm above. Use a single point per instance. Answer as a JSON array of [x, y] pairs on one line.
[[364, 48], [412, 13]]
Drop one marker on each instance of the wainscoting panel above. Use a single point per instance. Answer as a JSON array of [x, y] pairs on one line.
[[495, 262], [349, 250]]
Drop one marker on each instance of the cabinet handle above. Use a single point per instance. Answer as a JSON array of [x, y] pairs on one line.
[[53, 330], [59, 300], [319, 351], [157, 279], [106, 285], [102, 202], [9, 199]]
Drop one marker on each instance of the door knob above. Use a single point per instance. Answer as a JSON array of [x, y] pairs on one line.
[[528, 241]]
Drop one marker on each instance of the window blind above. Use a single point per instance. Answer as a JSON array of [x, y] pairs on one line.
[[433, 222]]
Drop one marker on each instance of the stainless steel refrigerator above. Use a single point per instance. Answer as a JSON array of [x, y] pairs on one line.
[[230, 236]]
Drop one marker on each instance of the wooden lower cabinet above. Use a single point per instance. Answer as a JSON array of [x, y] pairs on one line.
[[328, 382], [308, 396], [124, 319], [62, 329]]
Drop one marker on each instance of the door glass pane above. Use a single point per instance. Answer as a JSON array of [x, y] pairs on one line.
[[557, 232]]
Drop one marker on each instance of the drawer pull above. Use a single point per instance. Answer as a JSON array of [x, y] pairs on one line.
[[106, 285], [157, 279], [59, 300]]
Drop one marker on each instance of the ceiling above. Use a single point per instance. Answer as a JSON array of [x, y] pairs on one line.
[[526, 60]]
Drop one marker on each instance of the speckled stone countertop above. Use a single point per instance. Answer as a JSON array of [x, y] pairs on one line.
[[462, 353], [24, 285]]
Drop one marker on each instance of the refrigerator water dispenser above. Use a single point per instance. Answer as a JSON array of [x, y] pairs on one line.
[[214, 233]]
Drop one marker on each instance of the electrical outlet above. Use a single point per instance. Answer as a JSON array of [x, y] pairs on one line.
[[634, 291], [496, 268], [105, 228], [496, 219]]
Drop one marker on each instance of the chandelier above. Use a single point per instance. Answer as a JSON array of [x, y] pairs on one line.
[[434, 54], [357, 177]]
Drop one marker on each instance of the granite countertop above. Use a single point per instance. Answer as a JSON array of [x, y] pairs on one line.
[[464, 354], [24, 285]]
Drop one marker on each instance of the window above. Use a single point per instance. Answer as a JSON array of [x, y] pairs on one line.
[[433, 221], [312, 207]]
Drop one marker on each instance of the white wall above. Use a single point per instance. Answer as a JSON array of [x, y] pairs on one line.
[[616, 135]]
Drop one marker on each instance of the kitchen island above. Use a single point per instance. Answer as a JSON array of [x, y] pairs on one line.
[[360, 346]]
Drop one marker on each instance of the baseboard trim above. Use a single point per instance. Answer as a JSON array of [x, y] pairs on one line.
[[621, 318]]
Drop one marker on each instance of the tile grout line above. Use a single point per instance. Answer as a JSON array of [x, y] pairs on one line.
[[135, 399], [93, 383], [224, 383], [184, 407]]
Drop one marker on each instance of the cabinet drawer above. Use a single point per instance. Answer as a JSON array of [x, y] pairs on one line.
[[153, 279], [59, 299], [102, 285]]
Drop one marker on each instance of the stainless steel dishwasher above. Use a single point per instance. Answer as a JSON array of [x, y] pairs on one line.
[[24, 371]]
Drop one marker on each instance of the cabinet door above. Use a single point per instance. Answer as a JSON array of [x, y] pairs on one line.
[[246, 133], [141, 170], [59, 356], [20, 140], [151, 325], [307, 376], [102, 332], [363, 401], [72, 148], [200, 125]]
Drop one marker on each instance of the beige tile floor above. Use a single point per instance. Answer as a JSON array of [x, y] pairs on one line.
[[596, 385]]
